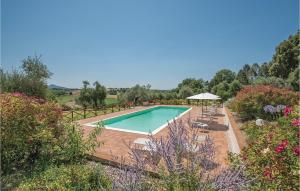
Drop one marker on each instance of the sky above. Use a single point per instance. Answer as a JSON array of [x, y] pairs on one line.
[[161, 42]]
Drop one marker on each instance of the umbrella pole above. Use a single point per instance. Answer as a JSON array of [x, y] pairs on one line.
[[202, 108]]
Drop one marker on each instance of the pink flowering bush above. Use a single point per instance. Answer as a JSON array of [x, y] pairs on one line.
[[249, 103], [272, 156]]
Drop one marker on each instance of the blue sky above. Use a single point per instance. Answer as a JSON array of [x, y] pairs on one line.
[[122, 43]]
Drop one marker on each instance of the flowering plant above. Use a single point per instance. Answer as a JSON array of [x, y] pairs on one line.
[[179, 162], [272, 155], [254, 101]]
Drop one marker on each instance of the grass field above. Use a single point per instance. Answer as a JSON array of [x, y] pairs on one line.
[[79, 114], [71, 98]]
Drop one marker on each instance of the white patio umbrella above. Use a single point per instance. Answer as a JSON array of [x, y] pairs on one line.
[[204, 96]]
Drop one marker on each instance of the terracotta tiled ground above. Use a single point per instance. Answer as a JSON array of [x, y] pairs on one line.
[[114, 140]]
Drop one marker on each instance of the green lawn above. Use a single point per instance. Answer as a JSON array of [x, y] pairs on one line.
[[71, 98], [109, 101], [65, 99]]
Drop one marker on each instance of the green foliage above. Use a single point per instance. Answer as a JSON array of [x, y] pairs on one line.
[[29, 131], [185, 92], [222, 76], [220, 84], [31, 80], [135, 95], [271, 156], [273, 81], [33, 138], [35, 69], [250, 101], [294, 79], [286, 57], [222, 90], [71, 177], [234, 87], [196, 86], [92, 96], [73, 147]]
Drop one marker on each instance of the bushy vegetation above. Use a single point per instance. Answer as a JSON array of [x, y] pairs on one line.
[[29, 131], [30, 79], [92, 96], [34, 138], [272, 156], [181, 163], [135, 95], [250, 101], [70, 177]]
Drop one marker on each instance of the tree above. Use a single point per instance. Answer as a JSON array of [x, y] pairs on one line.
[[136, 94], [264, 70], [242, 77], [223, 75], [274, 81], [234, 87], [185, 92], [286, 57], [254, 71], [85, 95], [222, 90], [98, 94], [31, 79], [294, 79], [196, 86], [35, 69]]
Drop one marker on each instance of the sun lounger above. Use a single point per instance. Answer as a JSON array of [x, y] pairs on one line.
[[146, 144], [199, 124], [201, 138]]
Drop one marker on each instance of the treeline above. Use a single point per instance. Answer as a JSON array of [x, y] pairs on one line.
[[281, 71]]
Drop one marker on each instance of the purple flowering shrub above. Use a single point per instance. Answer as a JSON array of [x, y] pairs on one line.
[[271, 112], [177, 162]]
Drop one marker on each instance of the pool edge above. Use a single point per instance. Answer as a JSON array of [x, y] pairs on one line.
[[90, 124]]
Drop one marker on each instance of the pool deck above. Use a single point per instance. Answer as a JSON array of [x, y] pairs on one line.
[[113, 140]]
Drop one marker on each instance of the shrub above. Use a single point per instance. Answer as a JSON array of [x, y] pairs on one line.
[[32, 134], [272, 156], [33, 137], [29, 130], [250, 101], [72, 177]]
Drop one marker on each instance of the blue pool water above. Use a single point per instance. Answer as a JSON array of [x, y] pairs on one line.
[[145, 121]]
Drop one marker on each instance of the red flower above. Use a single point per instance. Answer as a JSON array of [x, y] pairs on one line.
[[287, 111], [267, 173], [297, 150], [279, 149], [284, 143], [296, 122], [281, 146]]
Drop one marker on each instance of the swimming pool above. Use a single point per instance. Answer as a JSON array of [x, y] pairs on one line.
[[146, 121]]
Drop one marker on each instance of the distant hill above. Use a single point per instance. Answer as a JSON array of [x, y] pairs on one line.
[[53, 86]]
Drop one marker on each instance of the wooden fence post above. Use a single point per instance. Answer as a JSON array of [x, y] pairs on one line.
[[72, 115], [112, 108]]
